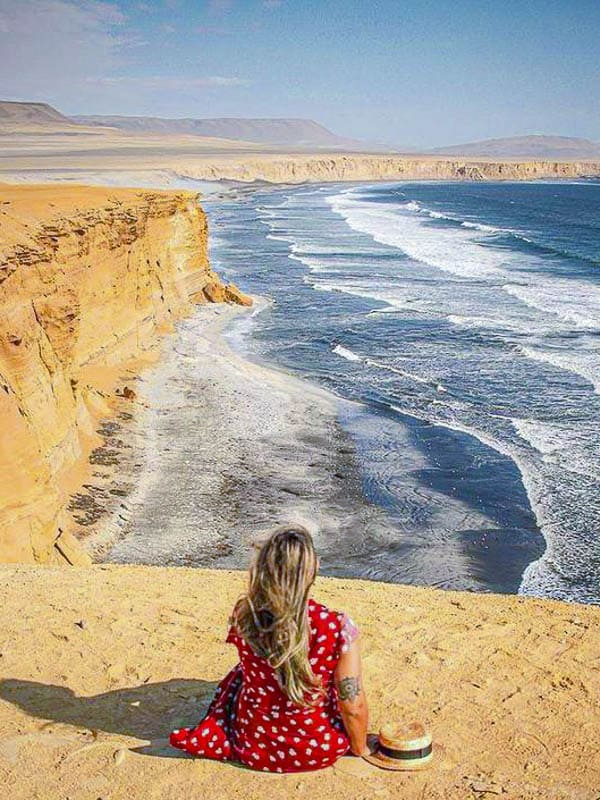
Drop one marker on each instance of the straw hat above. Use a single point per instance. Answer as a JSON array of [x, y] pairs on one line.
[[402, 747]]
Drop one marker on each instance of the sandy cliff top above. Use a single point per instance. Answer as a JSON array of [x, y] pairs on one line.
[[97, 663], [25, 208]]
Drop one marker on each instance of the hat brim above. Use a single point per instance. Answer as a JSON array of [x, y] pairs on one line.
[[398, 765]]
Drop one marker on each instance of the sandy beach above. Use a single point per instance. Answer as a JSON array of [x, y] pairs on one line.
[[218, 450]]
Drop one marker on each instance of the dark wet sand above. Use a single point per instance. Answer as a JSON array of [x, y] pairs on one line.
[[218, 450], [224, 450]]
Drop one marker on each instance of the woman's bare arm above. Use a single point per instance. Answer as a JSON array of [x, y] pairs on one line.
[[352, 701]]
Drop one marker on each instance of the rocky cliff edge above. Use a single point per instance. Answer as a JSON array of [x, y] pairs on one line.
[[90, 278]]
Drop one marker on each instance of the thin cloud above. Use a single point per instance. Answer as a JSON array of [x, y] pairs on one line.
[[219, 6], [174, 83], [47, 45], [212, 30], [65, 15]]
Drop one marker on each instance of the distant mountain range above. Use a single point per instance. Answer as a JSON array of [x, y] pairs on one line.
[[555, 147], [305, 133], [14, 113], [18, 117], [282, 132]]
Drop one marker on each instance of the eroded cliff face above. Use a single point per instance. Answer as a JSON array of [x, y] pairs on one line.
[[368, 167], [89, 280]]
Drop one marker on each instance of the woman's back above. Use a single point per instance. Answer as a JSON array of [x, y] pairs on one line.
[[292, 736], [294, 701], [253, 721]]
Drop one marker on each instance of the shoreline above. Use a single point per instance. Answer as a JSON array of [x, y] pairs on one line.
[[223, 449], [189, 494], [448, 533], [324, 489]]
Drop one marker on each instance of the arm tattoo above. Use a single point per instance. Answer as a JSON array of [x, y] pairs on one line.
[[349, 688]]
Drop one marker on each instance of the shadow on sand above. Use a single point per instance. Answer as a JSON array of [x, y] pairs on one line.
[[150, 711]]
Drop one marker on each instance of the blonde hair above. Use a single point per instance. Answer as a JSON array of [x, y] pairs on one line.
[[272, 616]]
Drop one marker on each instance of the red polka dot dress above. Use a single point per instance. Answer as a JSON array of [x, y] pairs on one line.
[[252, 721]]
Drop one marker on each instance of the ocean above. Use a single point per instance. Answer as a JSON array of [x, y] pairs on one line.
[[459, 323]]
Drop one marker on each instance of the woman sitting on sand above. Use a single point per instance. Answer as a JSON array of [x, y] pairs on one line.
[[295, 701]]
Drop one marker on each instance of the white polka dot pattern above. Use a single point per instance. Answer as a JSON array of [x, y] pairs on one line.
[[252, 721]]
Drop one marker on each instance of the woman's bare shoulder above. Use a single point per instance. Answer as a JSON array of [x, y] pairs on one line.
[[349, 631]]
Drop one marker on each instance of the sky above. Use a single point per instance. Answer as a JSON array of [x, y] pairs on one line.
[[410, 72]]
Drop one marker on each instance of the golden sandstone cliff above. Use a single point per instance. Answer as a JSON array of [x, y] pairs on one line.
[[141, 154], [297, 168], [89, 280]]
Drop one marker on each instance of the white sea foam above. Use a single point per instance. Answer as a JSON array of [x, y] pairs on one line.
[[460, 251], [501, 322], [273, 212], [412, 205], [455, 425], [315, 265], [395, 297], [346, 353], [405, 374], [476, 226], [350, 355], [573, 449], [581, 362], [436, 214], [479, 226], [575, 302], [545, 438], [454, 250]]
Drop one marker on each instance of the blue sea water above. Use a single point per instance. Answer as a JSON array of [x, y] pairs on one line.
[[463, 321]]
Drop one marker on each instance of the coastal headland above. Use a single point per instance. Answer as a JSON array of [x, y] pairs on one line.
[[98, 664], [90, 280], [100, 155]]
